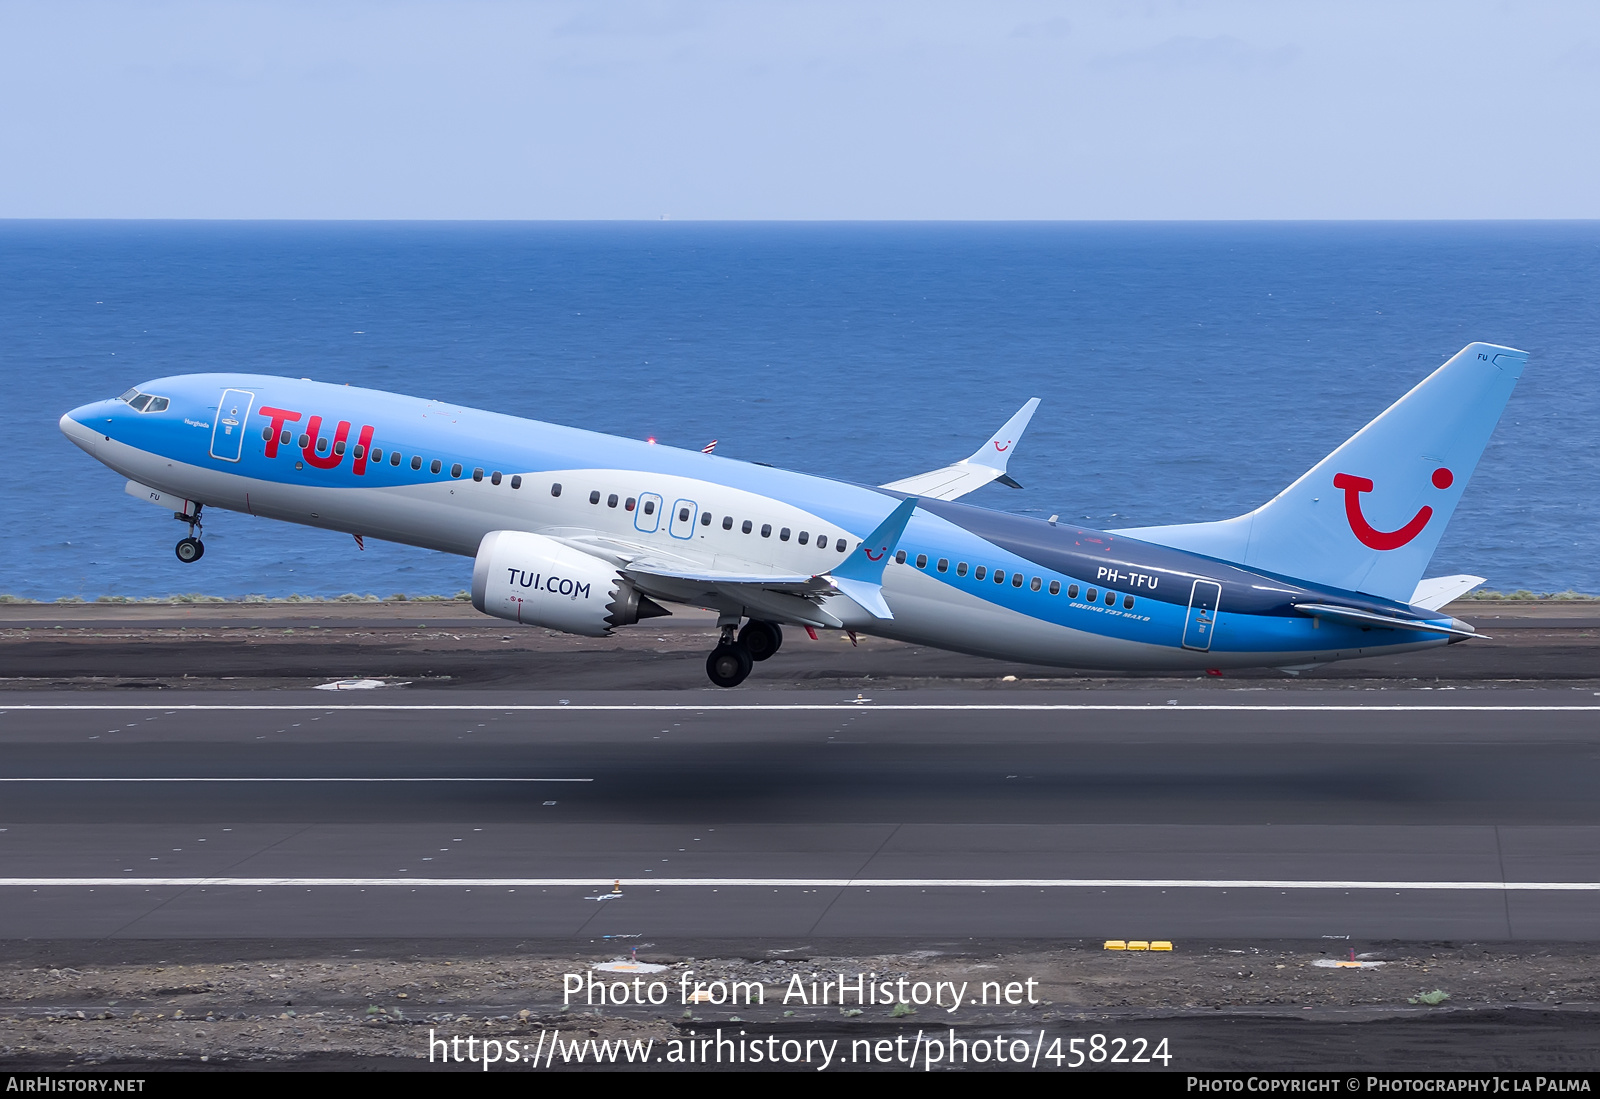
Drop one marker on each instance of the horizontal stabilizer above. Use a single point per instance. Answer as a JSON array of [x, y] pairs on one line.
[[1370, 620], [987, 463], [1434, 593]]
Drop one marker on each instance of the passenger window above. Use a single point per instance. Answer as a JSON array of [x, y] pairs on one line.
[[394, 457], [494, 478], [980, 572], [999, 576], [1093, 595], [922, 560], [1072, 591], [611, 501], [683, 515], [961, 569], [900, 557], [705, 518], [840, 545], [803, 537], [594, 497], [943, 565], [1016, 580], [727, 522], [745, 526], [516, 480], [435, 466], [477, 474], [416, 460], [285, 437], [1055, 587], [338, 447], [1111, 598], [783, 535], [628, 504], [649, 507], [358, 452], [266, 434], [322, 446], [1127, 602], [305, 441], [377, 454], [766, 530], [1035, 584], [555, 490]]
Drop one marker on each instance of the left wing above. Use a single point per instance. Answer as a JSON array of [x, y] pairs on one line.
[[987, 463], [784, 597]]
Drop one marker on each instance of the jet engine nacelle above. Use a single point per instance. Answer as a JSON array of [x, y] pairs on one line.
[[538, 581]]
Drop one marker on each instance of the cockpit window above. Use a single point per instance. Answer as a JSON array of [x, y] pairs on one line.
[[144, 402]]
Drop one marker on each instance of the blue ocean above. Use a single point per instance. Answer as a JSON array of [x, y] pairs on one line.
[[1188, 370]]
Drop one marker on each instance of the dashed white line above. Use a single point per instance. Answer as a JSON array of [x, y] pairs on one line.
[[704, 707], [319, 779], [824, 883]]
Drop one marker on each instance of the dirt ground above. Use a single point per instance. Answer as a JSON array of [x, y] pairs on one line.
[[1442, 1006]]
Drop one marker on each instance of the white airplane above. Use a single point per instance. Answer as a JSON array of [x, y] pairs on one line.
[[584, 532]]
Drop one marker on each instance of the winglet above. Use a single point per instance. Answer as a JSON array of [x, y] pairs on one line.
[[860, 576], [987, 463], [997, 451]]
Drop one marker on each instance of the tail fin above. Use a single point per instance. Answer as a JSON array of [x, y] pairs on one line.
[[1368, 517]]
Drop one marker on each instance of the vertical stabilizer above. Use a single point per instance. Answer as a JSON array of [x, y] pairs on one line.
[[1369, 516]]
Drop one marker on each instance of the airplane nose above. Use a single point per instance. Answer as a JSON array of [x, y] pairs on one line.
[[75, 425]]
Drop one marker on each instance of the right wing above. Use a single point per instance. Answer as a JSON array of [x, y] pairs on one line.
[[987, 463]]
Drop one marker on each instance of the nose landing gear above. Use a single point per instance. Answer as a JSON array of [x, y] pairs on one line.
[[190, 549]]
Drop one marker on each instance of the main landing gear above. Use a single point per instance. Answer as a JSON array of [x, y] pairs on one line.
[[190, 549], [730, 662]]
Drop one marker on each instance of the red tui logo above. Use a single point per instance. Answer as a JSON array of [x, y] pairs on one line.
[[1371, 536]]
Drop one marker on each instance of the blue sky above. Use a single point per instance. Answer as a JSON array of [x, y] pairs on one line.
[[704, 109]]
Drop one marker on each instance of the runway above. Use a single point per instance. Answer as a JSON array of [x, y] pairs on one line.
[[1169, 813]]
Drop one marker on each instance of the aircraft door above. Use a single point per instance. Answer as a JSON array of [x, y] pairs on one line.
[[233, 413], [647, 516], [684, 513], [1201, 623]]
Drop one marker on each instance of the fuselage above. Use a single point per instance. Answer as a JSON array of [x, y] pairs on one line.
[[964, 578]]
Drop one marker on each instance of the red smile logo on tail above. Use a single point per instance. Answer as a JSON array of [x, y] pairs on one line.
[[1371, 536]]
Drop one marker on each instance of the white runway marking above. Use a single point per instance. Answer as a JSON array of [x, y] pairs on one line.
[[707, 707], [198, 779], [818, 883]]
